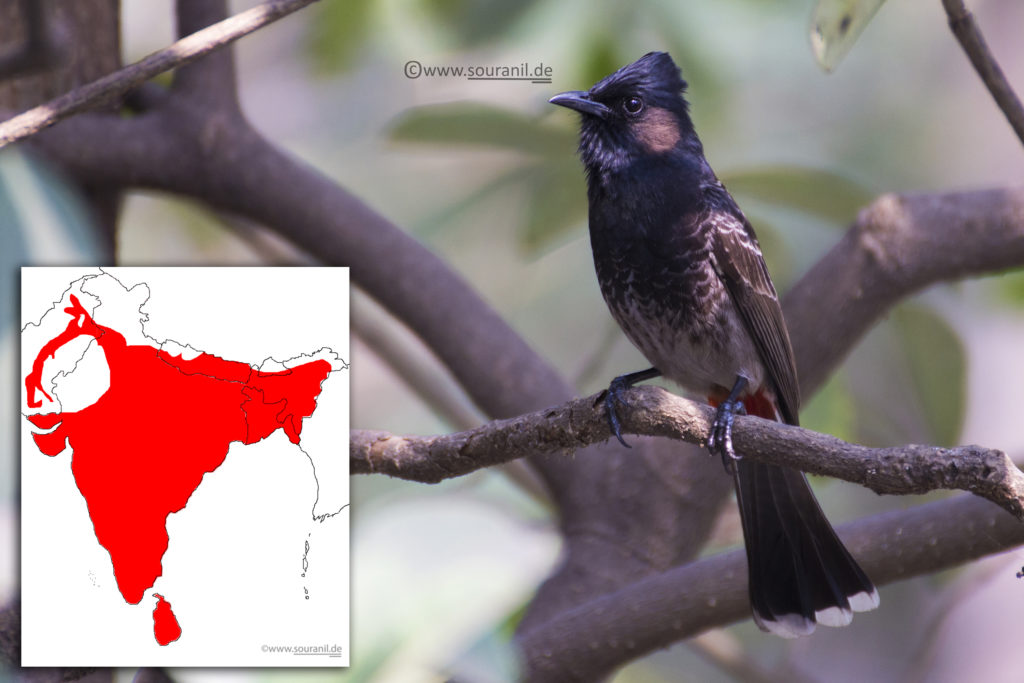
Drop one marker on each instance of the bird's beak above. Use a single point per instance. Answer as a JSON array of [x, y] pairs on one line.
[[581, 102]]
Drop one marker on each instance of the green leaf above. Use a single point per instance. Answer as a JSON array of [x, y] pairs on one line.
[[835, 27], [338, 32], [937, 362], [473, 22], [831, 410], [1011, 287], [442, 220], [825, 194], [909, 380], [703, 76], [557, 202], [600, 56], [481, 125]]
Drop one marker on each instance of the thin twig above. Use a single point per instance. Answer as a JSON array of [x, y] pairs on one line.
[[967, 32], [181, 52], [653, 411]]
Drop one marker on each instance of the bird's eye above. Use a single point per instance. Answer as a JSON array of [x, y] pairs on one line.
[[632, 105]]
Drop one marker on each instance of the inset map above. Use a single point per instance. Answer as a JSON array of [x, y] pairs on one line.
[[185, 467]]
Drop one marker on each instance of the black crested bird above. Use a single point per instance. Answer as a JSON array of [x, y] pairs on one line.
[[682, 272]]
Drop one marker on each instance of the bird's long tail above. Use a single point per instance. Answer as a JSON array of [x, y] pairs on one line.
[[800, 573]]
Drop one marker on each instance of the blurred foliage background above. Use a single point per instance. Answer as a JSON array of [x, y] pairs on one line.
[[485, 173]]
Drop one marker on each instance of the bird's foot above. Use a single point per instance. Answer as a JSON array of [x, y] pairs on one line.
[[720, 437], [613, 396]]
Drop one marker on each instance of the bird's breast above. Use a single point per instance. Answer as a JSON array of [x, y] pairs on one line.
[[661, 287]]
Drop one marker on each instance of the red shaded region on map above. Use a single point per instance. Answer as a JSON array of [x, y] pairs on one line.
[[165, 624], [143, 447]]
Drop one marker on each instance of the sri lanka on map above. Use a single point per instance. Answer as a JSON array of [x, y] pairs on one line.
[[185, 467]]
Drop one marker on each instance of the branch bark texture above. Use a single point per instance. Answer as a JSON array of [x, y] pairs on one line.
[[653, 411], [898, 245]]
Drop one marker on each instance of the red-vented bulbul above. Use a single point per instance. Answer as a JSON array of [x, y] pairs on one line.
[[682, 272]]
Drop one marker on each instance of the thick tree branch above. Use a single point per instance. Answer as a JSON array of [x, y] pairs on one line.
[[117, 83], [585, 644], [150, 675], [653, 411], [211, 81], [967, 32], [898, 245], [38, 50]]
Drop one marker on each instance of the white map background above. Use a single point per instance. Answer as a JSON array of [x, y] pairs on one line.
[[233, 571]]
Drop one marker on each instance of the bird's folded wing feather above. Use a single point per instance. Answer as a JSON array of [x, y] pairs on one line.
[[739, 262]]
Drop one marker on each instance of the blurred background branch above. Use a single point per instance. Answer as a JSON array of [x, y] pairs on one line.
[[38, 50], [655, 612]]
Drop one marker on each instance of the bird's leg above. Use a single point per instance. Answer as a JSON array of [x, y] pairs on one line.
[[720, 438], [613, 396]]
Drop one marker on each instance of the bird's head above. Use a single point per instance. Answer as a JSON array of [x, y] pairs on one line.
[[636, 112]]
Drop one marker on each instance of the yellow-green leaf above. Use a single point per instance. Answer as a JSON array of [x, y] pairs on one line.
[[557, 202], [340, 30], [835, 27], [937, 362], [828, 195], [481, 125], [831, 410]]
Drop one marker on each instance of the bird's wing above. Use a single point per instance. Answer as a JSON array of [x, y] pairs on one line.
[[738, 261]]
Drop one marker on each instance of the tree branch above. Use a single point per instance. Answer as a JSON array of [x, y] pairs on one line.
[[898, 245], [151, 675], [967, 32], [117, 83], [587, 643], [212, 80], [653, 411], [37, 52]]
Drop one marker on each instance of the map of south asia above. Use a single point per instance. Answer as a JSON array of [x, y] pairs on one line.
[[166, 419]]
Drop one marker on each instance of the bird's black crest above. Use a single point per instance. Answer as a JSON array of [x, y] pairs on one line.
[[654, 74]]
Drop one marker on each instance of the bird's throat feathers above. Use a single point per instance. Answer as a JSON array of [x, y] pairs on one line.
[[613, 146]]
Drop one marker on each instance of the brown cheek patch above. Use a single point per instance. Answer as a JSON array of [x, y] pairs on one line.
[[657, 131]]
